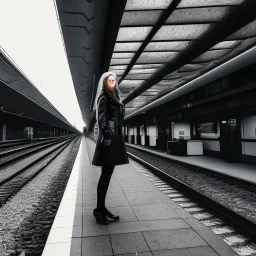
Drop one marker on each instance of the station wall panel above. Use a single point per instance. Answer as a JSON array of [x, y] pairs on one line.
[[181, 129]]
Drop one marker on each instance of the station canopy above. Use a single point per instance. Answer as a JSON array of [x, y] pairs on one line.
[[162, 45]]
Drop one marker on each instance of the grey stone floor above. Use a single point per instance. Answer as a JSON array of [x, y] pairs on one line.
[[150, 223]]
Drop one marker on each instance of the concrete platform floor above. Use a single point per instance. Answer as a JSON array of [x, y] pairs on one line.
[[150, 224]]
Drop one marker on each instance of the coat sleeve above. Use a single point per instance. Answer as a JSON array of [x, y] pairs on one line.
[[103, 118]]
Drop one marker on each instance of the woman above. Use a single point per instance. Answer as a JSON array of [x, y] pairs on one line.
[[110, 147]]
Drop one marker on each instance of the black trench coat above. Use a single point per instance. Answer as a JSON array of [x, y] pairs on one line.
[[110, 121]]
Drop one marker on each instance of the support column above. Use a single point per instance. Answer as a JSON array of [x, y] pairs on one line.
[[132, 136], [125, 133], [138, 134], [4, 132], [161, 142], [146, 135]]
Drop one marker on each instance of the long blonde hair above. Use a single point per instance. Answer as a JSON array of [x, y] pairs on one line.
[[100, 88]]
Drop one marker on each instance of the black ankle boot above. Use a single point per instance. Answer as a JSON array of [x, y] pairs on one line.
[[100, 217], [110, 215]]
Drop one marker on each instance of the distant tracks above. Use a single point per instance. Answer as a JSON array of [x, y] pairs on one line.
[[19, 166]]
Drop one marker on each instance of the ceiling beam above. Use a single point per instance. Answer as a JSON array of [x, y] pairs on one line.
[[153, 31], [115, 13], [245, 59], [217, 33], [116, 10]]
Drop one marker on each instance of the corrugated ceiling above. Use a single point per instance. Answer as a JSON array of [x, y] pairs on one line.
[[187, 23]]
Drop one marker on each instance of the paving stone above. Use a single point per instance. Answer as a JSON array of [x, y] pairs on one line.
[[114, 185], [79, 199], [90, 202], [112, 200], [125, 213], [71, 192], [153, 212], [141, 194], [192, 221], [135, 189], [116, 201], [91, 228], [77, 231], [90, 174], [90, 187], [143, 197], [203, 251], [78, 217], [173, 252], [195, 224], [166, 200], [90, 195], [113, 192], [76, 247], [216, 243], [138, 254], [62, 222], [66, 211], [57, 249], [96, 246], [171, 239], [183, 214], [143, 201], [88, 207], [128, 243], [129, 184], [70, 197], [124, 180], [59, 235]]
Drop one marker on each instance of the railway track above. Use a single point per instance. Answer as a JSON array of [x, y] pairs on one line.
[[25, 150], [236, 229], [13, 144], [18, 166]]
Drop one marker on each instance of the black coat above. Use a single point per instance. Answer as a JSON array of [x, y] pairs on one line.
[[110, 121]]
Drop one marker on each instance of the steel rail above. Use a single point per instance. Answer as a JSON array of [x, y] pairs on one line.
[[43, 146], [23, 181], [30, 145]]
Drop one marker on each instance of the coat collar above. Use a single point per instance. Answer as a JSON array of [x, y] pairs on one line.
[[113, 96]]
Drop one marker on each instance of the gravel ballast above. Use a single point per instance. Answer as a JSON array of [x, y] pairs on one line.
[[26, 218]]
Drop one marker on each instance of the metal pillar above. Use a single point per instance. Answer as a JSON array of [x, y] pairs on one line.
[[4, 132], [146, 135], [138, 134]]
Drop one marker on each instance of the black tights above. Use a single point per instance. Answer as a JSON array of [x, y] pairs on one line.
[[106, 173]]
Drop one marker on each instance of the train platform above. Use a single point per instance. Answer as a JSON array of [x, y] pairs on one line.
[[240, 171], [150, 224]]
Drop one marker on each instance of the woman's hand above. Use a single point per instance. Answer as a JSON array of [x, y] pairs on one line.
[[107, 142]]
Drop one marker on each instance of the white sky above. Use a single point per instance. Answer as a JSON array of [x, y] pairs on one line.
[[29, 33]]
